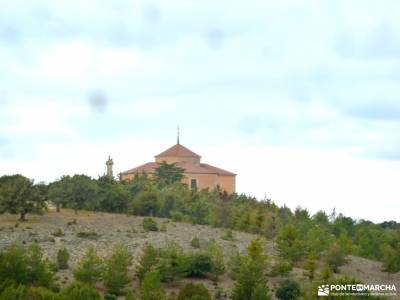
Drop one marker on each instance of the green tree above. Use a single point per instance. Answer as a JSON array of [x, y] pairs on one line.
[[217, 260], [18, 195], [248, 280], [391, 259], [112, 195], [335, 257], [77, 192], [192, 291], [166, 174], [288, 290], [62, 258], [80, 291], [147, 261], [90, 268], [150, 288], [144, 204], [38, 268], [116, 269], [260, 292], [289, 242]]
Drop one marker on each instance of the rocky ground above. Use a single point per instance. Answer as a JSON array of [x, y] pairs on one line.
[[54, 231]]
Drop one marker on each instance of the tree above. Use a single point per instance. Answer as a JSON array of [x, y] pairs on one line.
[[62, 258], [90, 268], [192, 291], [335, 257], [144, 204], [112, 196], [248, 280], [147, 261], [391, 259], [80, 291], [166, 174], [260, 292], [288, 290], [77, 192], [217, 260], [25, 266], [116, 269], [38, 268], [150, 288], [18, 195], [290, 244]]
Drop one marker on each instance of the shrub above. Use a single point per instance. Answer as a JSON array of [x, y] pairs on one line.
[[195, 242], [58, 233], [90, 268], [228, 235], [194, 292], [88, 235], [80, 291], [149, 224], [62, 258], [116, 269], [288, 290], [110, 297], [281, 268], [197, 264], [73, 222]]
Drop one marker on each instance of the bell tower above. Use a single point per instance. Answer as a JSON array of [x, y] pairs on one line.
[[109, 164]]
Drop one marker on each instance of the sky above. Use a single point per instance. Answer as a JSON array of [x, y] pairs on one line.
[[300, 98]]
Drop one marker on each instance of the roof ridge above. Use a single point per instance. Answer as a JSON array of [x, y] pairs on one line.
[[178, 150]]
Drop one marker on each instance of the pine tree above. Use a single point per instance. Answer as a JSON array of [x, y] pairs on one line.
[[90, 268]]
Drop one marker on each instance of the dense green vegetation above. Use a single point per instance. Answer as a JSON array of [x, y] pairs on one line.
[[301, 239]]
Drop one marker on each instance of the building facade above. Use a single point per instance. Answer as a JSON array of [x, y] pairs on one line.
[[196, 174]]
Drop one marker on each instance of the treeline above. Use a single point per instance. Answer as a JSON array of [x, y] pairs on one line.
[[299, 236]]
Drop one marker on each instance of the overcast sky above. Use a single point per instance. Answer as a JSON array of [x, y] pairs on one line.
[[300, 98]]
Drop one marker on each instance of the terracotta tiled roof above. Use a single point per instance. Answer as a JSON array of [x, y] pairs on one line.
[[178, 150], [188, 167]]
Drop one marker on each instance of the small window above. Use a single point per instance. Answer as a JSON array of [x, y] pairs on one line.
[[193, 184]]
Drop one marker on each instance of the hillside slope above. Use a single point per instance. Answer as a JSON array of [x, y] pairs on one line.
[[128, 230]]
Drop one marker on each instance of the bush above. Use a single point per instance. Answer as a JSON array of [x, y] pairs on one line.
[[25, 266], [110, 297], [149, 224], [80, 291], [88, 235], [58, 233], [22, 292], [194, 292], [228, 235], [197, 264], [62, 258], [195, 242], [281, 268], [288, 290]]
